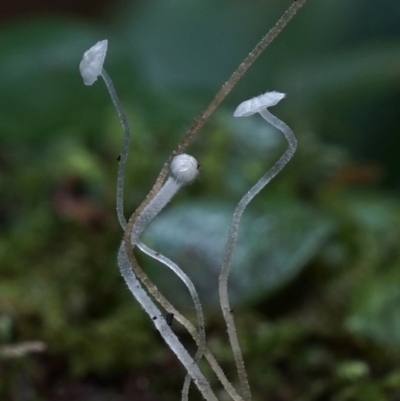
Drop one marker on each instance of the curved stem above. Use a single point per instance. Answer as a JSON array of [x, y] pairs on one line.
[[232, 237], [160, 200], [164, 329], [196, 300], [125, 147]]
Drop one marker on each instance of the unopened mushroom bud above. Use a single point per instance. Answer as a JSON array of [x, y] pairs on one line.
[[183, 169]]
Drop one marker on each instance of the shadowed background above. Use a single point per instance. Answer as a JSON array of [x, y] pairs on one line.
[[317, 268]]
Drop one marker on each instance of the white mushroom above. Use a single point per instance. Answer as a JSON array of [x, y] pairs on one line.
[[260, 104], [184, 168], [91, 65], [256, 104]]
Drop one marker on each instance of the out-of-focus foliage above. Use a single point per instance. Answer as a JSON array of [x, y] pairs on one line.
[[317, 268]]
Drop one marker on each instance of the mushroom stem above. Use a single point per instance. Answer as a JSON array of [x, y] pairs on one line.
[[285, 158], [125, 146], [162, 326], [270, 99], [163, 196], [197, 304]]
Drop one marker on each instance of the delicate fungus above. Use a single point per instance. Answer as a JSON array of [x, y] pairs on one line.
[[91, 67], [256, 104], [92, 62], [259, 105], [184, 168]]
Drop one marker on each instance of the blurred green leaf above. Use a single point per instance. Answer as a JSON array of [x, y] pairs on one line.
[[272, 247]]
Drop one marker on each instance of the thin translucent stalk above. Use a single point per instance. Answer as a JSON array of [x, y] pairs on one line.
[[232, 237], [196, 301], [125, 147], [163, 196], [164, 329], [169, 308]]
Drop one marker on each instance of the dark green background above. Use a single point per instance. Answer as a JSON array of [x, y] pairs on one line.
[[317, 270]]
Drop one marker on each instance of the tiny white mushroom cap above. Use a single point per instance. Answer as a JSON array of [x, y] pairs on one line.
[[92, 62], [184, 169], [254, 105]]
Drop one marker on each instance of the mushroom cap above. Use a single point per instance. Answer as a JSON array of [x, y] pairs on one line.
[[184, 168], [92, 62], [254, 105]]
